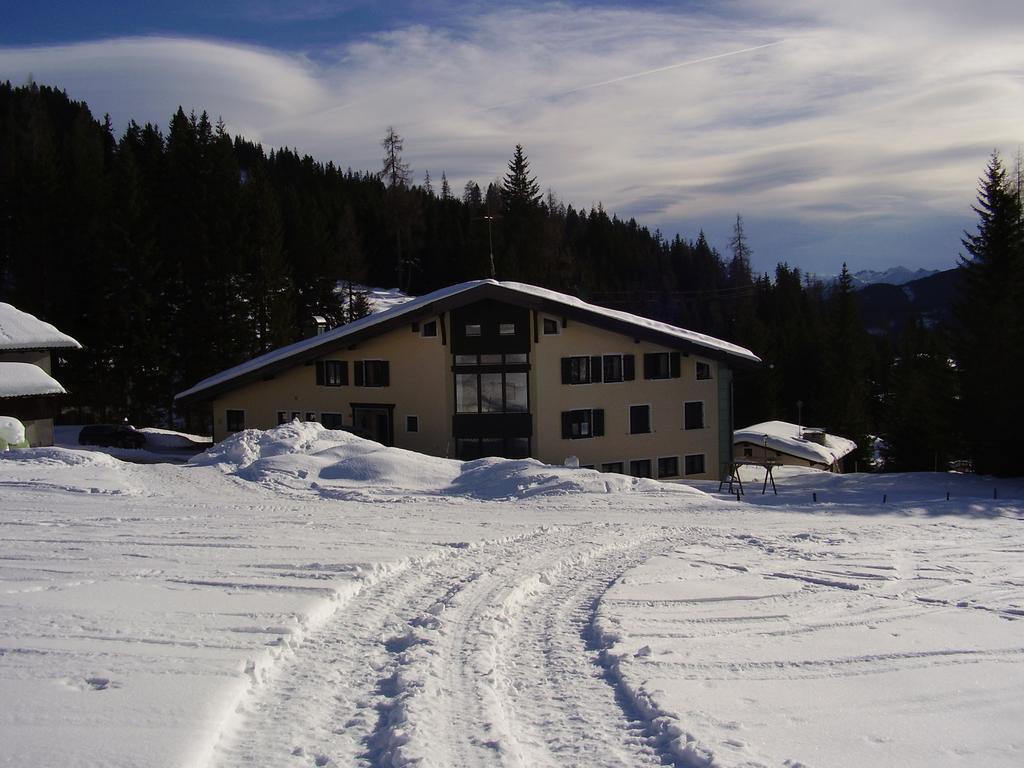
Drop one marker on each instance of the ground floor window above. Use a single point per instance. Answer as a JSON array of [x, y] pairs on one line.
[[468, 448], [640, 468], [412, 423], [668, 466], [282, 417], [613, 466], [234, 420], [331, 420], [694, 464]]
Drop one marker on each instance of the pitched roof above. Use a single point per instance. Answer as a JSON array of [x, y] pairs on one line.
[[784, 437], [453, 296], [20, 330], [25, 380]]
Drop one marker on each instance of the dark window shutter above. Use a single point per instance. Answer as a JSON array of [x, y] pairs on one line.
[[358, 366], [673, 365], [628, 368], [385, 373], [320, 373], [648, 366], [595, 369], [343, 366], [598, 422], [567, 370], [566, 425]]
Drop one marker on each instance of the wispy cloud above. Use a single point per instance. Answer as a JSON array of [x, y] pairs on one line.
[[679, 117]]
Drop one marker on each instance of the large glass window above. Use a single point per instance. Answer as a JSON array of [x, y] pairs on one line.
[[516, 400], [485, 384], [490, 393], [467, 389]]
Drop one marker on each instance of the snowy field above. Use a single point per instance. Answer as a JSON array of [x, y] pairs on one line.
[[306, 598]]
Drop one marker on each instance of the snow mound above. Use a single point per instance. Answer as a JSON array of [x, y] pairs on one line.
[[306, 456], [64, 457], [12, 431]]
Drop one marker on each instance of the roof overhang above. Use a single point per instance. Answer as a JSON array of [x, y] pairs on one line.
[[547, 302]]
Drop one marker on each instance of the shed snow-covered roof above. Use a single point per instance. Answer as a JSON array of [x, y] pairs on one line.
[[784, 437], [453, 296], [20, 330], [25, 380]]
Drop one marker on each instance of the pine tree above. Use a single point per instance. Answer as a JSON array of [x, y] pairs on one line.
[[989, 310], [396, 172], [519, 190], [427, 186], [446, 191]]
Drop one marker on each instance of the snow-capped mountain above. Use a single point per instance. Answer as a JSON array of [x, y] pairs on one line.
[[891, 276]]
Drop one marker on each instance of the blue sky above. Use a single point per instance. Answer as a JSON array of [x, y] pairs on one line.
[[840, 131]]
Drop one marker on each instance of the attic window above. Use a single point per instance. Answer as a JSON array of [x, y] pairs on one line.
[[429, 329], [703, 371], [550, 326]]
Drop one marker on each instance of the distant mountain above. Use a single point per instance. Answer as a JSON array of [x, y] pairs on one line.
[[892, 276], [886, 307]]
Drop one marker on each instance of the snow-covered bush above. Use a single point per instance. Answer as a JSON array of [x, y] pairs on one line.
[[12, 433]]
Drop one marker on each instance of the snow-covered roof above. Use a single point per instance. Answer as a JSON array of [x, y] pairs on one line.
[[20, 330], [785, 438], [331, 338], [25, 379]]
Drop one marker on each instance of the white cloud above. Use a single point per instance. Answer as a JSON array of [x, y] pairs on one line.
[[852, 116]]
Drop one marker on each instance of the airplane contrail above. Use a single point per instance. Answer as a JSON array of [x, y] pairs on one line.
[[633, 76]]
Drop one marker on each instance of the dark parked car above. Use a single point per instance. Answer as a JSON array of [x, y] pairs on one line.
[[112, 435]]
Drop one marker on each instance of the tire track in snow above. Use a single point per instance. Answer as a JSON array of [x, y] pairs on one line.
[[469, 657]]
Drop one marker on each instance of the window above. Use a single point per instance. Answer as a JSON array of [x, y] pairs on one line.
[[331, 420], [748, 452], [331, 373], [282, 417], [491, 392], [668, 466], [429, 329], [612, 365], [234, 420], [693, 414], [694, 464], [639, 419], [703, 371], [612, 466], [507, 329], [468, 448], [640, 468], [581, 370], [412, 423], [516, 358], [467, 360], [661, 365], [473, 329], [296, 415], [550, 326], [372, 373], [583, 423], [310, 416]]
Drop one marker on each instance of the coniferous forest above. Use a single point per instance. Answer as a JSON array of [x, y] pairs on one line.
[[172, 253]]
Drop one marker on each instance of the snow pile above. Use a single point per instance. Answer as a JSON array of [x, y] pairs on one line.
[[25, 379], [12, 431], [20, 330], [167, 439], [306, 456], [784, 437]]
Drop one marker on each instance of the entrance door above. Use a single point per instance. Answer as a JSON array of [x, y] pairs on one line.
[[374, 421]]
